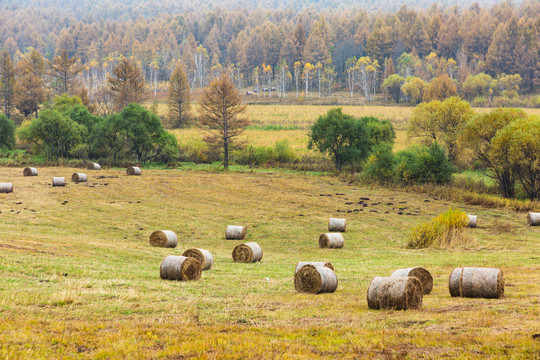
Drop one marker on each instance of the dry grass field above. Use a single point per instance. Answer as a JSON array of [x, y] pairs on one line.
[[79, 280], [296, 120]]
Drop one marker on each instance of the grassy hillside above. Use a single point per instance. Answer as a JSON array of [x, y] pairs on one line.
[[78, 278]]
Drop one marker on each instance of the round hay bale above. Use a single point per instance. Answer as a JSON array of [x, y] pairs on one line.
[[79, 177], [247, 253], [133, 170], [399, 293], [58, 181], [418, 272], [180, 268], [93, 166], [314, 263], [6, 188], [315, 279], [235, 232], [30, 171], [331, 240], [477, 283], [203, 256], [472, 221], [337, 225], [533, 219], [164, 238]]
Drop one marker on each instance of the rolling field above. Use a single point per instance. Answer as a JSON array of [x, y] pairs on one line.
[[78, 278]]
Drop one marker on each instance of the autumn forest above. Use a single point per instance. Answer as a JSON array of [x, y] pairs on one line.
[[483, 53]]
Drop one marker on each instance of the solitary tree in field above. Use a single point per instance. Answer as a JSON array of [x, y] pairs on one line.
[[222, 115], [179, 99], [343, 137], [126, 83]]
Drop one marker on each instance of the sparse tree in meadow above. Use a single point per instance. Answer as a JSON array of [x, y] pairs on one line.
[[343, 137], [222, 115], [478, 134], [519, 144], [179, 98], [126, 83], [442, 122]]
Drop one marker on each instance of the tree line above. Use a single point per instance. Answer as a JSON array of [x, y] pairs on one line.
[[307, 52]]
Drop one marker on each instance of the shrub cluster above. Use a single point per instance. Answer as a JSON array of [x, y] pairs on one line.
[[67, 130], [447, 229], [416, 165]]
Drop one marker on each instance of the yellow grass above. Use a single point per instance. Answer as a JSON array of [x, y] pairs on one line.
[[303, 116], [78, 278]]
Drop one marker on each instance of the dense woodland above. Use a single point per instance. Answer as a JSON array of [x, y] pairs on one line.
[[477, 52]]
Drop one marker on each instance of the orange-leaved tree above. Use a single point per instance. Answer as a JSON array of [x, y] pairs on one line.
[[222, 115]]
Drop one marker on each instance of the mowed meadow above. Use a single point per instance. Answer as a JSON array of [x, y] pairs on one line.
[[78, 278]]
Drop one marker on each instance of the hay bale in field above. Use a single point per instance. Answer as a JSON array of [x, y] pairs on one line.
[[133, 170], [533, 219], [247, 253], [477, 283], [399, 293], [58, 181], [234, 232], [30, 171], [180, 268], [315, 279], [331, 241], [6, 188], [418, 272], [79, 177], [93, 166], [472, 221], [164, 238], [203, 256], [314, 263], [337, 225]]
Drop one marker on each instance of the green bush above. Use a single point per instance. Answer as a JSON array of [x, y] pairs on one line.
[[380, 131], [419, 165], [447, 229], [283, 153], [380, 163], [261, 155], [7, 133]]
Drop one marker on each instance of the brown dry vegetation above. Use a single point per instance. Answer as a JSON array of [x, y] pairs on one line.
[[78, 278]]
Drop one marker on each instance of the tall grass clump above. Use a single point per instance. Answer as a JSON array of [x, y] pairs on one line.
[[446, 230]]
